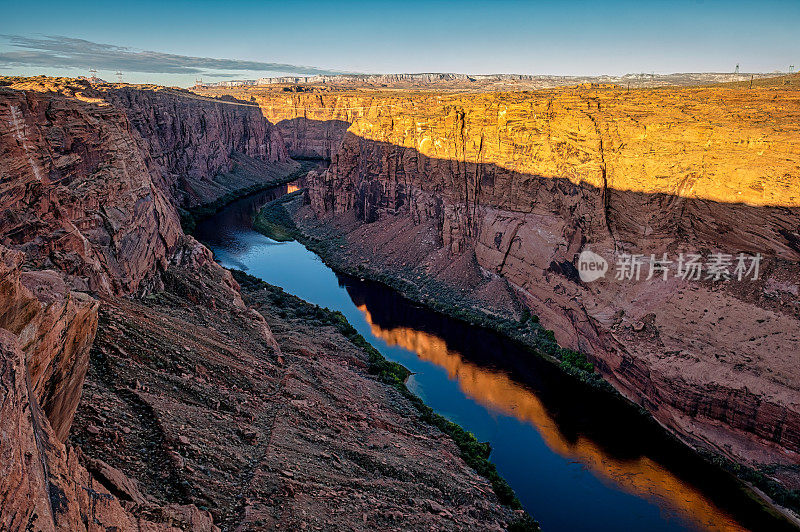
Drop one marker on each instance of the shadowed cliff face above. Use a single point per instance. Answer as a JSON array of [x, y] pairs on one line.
[[92, 177], [88, 209], [55, 327], [518, 185], [204, 147], [314, 139], [657, 350], [78, 193]]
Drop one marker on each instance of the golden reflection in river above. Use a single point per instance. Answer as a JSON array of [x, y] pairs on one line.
[[495, 390], [291, 188]]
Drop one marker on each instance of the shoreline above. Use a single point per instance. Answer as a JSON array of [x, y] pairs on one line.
[[191, 216], [474, 453]]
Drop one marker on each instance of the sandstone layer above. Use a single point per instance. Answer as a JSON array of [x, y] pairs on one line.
[[77, 191], [495, 195]]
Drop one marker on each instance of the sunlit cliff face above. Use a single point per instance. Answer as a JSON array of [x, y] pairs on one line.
[[721, 144], [495, 390]]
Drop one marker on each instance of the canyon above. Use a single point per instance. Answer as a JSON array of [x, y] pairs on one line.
[[142, 388], [145, 387], [484, 201]]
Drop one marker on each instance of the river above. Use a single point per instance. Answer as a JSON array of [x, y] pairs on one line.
[[578, 459]]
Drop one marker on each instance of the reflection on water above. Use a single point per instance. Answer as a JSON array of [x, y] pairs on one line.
[[496, 390], [578, 459]]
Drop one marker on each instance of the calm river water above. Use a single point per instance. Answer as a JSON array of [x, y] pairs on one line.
[[578, 459]]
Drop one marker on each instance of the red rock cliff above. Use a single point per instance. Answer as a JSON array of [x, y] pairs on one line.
[[90, 181], [78, 193], [194, 140]]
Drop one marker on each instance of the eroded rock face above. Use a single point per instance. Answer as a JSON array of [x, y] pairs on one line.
[[55, 328], [194, 140], [78, 193], [86, 207], [524, 183], [92, 177]]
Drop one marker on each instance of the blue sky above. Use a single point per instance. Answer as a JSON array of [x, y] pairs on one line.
[[531, 37]]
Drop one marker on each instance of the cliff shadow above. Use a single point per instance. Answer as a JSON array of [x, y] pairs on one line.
[[374, 178], [312, 139]]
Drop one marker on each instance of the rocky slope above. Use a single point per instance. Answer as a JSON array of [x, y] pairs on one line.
[[195, 417], [194, 399], [489, 198]]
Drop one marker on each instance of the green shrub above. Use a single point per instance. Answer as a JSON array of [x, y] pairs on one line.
[[574, 359], [274, 222], [526, 523]]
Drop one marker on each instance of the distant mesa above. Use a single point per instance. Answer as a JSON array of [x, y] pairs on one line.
[[453, 80]]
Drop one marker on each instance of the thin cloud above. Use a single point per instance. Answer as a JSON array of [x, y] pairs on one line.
[[55, 51]]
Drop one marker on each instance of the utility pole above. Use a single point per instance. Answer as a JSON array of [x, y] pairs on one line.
[[791, 69], [119, 76], [737, 69], [93, 75], [198, 83]]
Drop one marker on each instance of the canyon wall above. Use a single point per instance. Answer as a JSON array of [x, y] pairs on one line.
[[88, 210], [518, 184], [196, 140], [55, 327], [78, 193]]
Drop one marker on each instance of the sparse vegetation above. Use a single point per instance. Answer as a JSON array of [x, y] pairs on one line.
[[573, 359], [274, 222], [526, 523], [760, 478]]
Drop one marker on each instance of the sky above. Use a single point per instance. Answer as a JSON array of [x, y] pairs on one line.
[[173, 43]]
